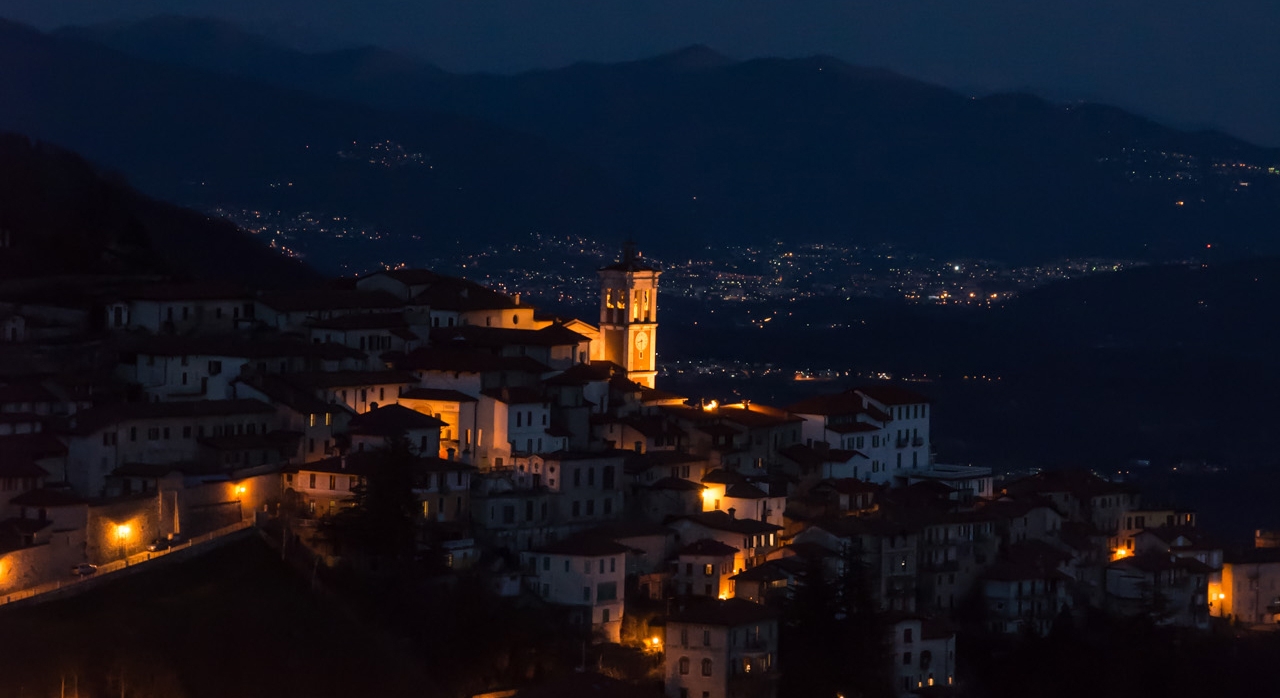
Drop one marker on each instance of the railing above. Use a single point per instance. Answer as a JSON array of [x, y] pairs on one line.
[[917, 441], [117, 565]]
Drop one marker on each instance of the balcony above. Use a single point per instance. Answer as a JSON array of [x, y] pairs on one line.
[[903, 443], [917, 442]]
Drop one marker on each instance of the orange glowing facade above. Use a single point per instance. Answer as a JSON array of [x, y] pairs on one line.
[[629, 316]]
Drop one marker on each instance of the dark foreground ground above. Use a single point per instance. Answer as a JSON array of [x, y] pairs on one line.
[[234, 622]]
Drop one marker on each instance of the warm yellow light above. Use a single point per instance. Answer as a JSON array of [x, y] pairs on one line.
[[655, 641], [1121, 552], [710, 406], [708, 494], [123, 530], [1221, 596], [724, 596], [240, 489]]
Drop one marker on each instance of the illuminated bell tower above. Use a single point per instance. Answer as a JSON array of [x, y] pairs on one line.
[[629, 316]]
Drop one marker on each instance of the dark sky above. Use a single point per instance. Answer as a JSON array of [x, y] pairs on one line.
[[1185, 62]]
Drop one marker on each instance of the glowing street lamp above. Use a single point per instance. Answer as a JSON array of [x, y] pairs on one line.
[[122, 534]]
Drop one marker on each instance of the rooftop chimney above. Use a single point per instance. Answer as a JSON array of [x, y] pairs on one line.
[[733, 513], [515, 297]]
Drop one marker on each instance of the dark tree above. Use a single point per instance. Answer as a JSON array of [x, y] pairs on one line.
[[382, 523]]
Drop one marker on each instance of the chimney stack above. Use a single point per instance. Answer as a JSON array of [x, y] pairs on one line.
[[733, 513]]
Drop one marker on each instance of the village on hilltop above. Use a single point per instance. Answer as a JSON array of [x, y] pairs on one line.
[[144, 418]]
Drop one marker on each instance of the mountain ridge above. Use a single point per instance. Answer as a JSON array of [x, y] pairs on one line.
[[702, 149]]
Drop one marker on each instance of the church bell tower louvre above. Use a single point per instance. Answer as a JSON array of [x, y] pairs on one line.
[[629, 315]]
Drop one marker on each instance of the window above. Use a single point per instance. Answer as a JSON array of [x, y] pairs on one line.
[[608, 506], [577, 477], [352, 482], [706, 638], [333, 482], [906, 635], [906, 659], [153, 433], [591, 507], [706, 667], [708, 569], [586, 594], [546, 564], [577, 508], [684, 666], [684, 637], [312, 481]]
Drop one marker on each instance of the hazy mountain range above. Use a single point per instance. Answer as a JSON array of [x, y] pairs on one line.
[[685, 149]]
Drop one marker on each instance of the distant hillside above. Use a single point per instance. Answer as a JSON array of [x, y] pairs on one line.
[[716, 150], [59, 215], [202, 139]]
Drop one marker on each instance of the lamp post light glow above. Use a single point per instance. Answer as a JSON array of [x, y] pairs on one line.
[[240, 490], [122, 533]]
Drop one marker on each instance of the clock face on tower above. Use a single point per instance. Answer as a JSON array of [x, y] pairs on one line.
[[642, 340]]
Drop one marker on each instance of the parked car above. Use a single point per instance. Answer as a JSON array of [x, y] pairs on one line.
[[159, 544], [84, 569]]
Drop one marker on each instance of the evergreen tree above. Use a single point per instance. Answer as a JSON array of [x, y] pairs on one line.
[[382, 523]]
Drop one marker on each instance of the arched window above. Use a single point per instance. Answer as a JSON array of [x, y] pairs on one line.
[[684, 665], [706, 667]]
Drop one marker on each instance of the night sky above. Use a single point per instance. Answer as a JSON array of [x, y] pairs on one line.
[[1189, 63]]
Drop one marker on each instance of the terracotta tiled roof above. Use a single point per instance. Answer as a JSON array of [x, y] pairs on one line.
[[361, 321], [721, 521], [676, 483], [489, 337], [729, 612], [88, 421], [393, 420], [347, 379], [439, 394], [462, 361], [894, 395], [707, 546]]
